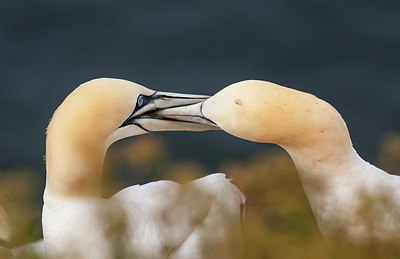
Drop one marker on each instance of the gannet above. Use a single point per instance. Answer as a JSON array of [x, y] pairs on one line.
[[156, 220], [347, 194]]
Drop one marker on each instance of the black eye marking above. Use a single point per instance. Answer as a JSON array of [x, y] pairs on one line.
[[141, 101]]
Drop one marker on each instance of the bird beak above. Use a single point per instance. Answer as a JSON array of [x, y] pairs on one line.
[[172, 111]]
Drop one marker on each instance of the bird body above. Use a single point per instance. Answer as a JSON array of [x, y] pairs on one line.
[[346, 194], [157, 220]]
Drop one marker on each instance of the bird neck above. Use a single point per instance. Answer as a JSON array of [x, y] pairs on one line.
[[75, 151], [332, 178], [326, 161], [323, 153], [77, 136], [323, 161], [315, 135], [74, 166]]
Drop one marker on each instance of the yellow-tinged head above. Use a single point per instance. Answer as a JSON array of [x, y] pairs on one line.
[[95, 109], [77, 133], [98, 113], [266, 112]]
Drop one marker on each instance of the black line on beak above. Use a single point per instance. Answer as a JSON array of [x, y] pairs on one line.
[[140, 126], [177, 97], [204, 117]]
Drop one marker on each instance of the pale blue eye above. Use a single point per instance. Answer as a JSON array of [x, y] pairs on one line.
[[140, 101]]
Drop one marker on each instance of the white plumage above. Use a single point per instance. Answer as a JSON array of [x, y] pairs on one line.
[[156, 220]]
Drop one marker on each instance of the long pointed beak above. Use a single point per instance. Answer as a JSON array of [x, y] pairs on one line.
[[172, 111], [189, 113]]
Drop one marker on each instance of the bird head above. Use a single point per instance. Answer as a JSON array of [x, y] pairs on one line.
[[100, 112], [105, 110], [266, 112]]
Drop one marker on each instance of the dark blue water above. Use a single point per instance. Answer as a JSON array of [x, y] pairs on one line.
[[346, 52]]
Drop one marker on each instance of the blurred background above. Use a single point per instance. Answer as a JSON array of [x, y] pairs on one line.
[[345, 52]]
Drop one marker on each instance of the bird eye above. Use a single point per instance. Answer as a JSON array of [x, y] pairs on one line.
[[140, 101]]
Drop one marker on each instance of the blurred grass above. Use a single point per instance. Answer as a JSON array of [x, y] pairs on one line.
[[279, 222], [19, 196], [389, 153]]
